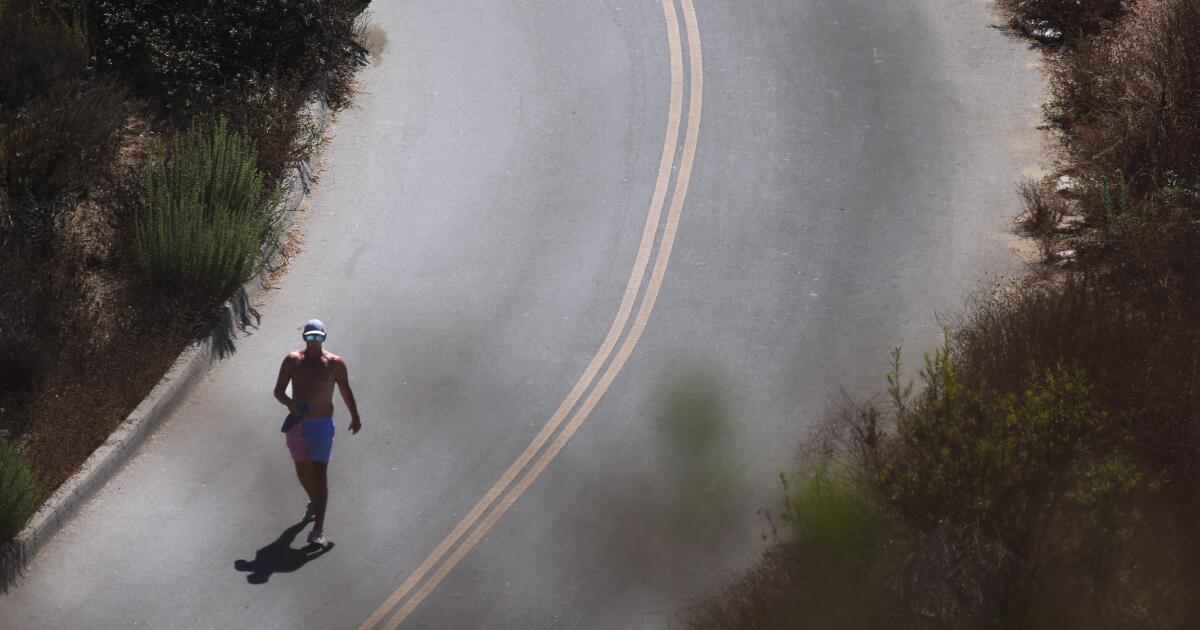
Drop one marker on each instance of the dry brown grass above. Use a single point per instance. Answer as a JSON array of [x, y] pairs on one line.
[[84, 397], [92, 341], [290, 246], [1131, 96], [1043, 212]]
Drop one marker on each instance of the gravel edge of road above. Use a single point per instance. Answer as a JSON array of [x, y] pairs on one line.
[[209, 346]]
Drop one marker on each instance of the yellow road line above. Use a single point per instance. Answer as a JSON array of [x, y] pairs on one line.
[[627, 301], [627, 347]]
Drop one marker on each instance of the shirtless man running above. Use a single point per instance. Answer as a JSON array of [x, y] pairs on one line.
[[313, 372]]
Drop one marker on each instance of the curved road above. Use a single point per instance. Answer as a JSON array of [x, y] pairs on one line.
[[822, 176]]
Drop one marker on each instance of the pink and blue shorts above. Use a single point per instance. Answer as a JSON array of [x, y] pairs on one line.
[[311, 439]]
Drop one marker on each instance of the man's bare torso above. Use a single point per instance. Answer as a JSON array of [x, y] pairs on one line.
[[313, 381]]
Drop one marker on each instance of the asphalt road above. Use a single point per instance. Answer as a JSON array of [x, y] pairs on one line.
[[849, 175]]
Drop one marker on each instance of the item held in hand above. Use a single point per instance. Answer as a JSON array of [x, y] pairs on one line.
[[291, 420]]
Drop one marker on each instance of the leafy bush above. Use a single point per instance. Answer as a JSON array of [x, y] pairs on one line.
[[1075, 18], [1140, 356], [255, 63], [831, 513], [274, 121], [975, 455], [201, 57], [1042, 481], [209, 222], [58, 122], [18, 494]]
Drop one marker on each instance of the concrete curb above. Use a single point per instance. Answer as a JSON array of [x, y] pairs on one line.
[[212, 344]]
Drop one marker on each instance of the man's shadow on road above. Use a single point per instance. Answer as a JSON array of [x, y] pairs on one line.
[[280, 557]]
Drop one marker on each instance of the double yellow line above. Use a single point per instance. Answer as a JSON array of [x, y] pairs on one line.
[[438, 561]]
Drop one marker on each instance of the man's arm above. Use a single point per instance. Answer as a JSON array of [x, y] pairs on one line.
[[342, 377], [281, 383]]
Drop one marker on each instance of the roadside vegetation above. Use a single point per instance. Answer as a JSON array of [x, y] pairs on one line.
[[1044, 472], [18, 496], [143, 145], [209, 223]]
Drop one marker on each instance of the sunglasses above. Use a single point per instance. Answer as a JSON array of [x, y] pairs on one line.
[[314, 337]]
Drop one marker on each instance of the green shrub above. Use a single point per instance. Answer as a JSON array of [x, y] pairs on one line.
[[199, 57], [209, 223], [975, 455], [254, 62], [834, 515], [1076, 18], [1043, 476], [1149, 240], [18, 494], [840, 536]]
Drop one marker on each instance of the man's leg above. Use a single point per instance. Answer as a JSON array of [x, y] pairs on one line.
[[320, 494], [304, 471]]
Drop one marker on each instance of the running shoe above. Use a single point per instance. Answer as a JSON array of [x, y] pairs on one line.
[[309, 513], [316, 537]]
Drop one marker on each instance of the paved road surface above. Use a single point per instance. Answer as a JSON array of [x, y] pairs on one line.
[[469, 247]]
